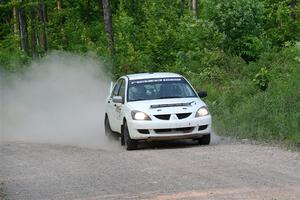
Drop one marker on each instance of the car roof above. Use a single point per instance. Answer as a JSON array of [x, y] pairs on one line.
[[152, 75]]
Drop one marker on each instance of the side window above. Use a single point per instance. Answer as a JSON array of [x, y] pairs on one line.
[[122, 89], [116, 88]]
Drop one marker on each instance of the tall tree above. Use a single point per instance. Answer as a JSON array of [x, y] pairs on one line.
[[59, 5], [88, 13], [293, 7], [194, 7], [101, 9], [108, 25], [15, 20], [61, 22], [43, 19], [23, 32], [33, 33]]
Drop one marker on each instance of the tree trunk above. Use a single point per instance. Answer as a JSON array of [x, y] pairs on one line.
[[44, 10], [101, 10], [182, 7], [88, 9], [33, 34], [22, 24], [108, 25], [194, 7], [293, 9], [61, 23], [15, 21], [42, 16], [59, 7]]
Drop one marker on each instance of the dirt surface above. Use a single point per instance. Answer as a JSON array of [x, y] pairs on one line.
[[2, 194], [175, 170]]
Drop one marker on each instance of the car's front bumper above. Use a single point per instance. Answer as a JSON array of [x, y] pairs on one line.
[[169, 129]]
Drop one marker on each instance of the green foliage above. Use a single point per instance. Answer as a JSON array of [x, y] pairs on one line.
[[128, 57], [261, 79], [243, 52], [279, 24], [240, 110], [76, 28], [11, 57], [242, 23], [165, 41]]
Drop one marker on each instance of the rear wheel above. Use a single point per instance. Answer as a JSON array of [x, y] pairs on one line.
[[205, 140], [131, 144]]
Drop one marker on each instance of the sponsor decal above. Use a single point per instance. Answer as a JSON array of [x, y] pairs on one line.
[[156, 80]]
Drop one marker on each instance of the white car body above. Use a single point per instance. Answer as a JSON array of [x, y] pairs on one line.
[[170, 118]]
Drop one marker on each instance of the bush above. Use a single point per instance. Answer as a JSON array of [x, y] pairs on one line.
[[242, 110], [12, 58], [279, 24], [242, 23], [261, 79]]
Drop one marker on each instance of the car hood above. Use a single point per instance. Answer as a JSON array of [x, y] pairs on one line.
[[167, 106]]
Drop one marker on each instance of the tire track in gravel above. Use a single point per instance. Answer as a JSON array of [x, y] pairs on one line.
[[159, 171]]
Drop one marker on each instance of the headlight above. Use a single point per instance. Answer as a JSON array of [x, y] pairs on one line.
[[202, 112], [137, 115]]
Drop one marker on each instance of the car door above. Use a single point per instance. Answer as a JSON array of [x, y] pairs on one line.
[[111, 106], [119, 107]]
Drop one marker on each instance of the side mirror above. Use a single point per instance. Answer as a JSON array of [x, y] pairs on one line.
[[202, 94], [118, 99]]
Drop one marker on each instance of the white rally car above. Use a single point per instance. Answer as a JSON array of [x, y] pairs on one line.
[[156, 106]]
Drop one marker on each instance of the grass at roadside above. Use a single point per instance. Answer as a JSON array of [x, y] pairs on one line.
[[241, 109]]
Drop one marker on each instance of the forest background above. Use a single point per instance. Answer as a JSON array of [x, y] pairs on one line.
[[245, 53]]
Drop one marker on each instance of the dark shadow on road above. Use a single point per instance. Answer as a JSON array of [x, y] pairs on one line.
[[172, 144], [168, 144]]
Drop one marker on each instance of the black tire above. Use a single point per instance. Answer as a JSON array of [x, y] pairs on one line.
[[112, 135], [122, 136], [131, 144], [107, 128], [205, 140]]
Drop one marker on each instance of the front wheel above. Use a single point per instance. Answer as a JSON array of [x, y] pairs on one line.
[[131, 144], [205, 140], [107, 129]]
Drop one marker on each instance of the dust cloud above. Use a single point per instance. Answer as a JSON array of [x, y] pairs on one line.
[[58, 100]]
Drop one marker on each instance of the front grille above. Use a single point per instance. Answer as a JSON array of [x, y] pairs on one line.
[[183, 115], [175, 130], [163, 117], [185, 129], [143, 131]]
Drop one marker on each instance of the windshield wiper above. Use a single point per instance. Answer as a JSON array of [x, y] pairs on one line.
[[141, 99]]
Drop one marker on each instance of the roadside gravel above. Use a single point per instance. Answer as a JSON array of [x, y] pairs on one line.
[[174, 170]]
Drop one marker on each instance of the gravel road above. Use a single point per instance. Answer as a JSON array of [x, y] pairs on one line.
[[175, 170]]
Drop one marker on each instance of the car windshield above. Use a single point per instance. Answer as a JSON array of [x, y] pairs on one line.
[[159, 88]]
